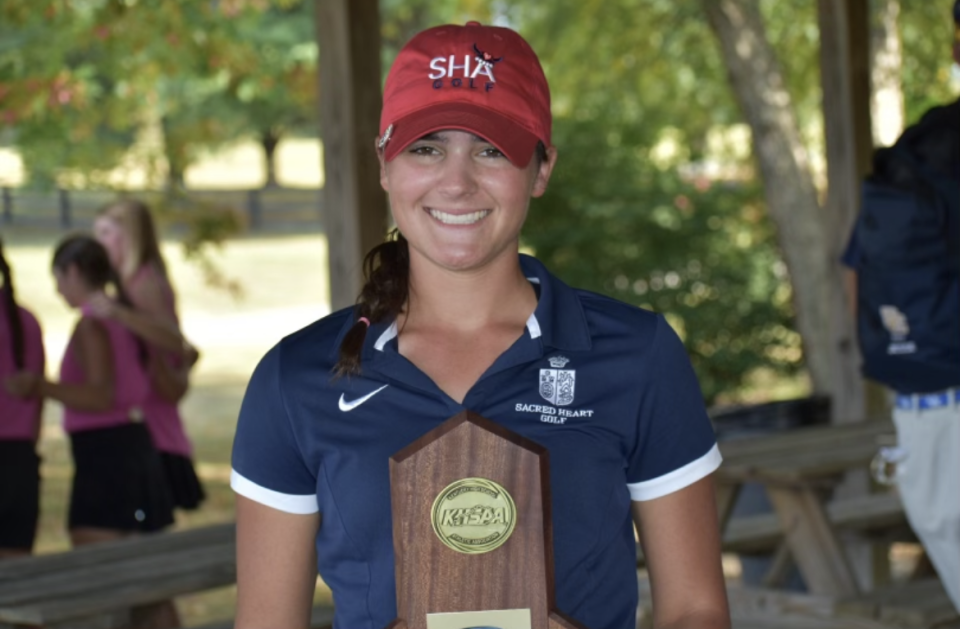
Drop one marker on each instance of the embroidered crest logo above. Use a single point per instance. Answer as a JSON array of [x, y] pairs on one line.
[[557, 384], [895, 322], [898, 326]]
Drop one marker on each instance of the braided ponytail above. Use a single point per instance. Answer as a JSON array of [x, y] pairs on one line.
[[387, 270], [14, 324]]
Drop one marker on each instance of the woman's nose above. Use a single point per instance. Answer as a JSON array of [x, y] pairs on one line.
[[458, 177]]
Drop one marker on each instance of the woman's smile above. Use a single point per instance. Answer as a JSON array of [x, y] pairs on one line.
[[461, 218]]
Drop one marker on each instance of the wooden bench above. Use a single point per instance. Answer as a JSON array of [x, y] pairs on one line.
[[798, 468], [917, 604], [98, 585], [877, 514]]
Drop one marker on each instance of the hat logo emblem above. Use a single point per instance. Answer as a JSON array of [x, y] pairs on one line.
[[485, 59]]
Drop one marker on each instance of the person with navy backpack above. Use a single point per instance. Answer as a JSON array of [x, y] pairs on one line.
[[905, 254]]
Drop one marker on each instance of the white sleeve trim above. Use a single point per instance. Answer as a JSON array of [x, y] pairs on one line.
[[290, 503], [678, 478]]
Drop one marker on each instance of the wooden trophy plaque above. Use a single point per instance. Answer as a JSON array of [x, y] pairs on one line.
[[472, 534]]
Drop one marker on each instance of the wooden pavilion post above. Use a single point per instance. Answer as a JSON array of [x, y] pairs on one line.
[[845, 77], [354, 205]]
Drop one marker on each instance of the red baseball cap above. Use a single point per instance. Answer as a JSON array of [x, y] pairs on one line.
[[483, 79]]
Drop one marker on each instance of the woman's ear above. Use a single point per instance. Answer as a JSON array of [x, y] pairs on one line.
[[544, 171]]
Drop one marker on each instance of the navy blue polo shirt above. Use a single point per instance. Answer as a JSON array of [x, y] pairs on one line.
[[606, 387]]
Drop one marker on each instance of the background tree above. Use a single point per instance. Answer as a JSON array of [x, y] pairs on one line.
[[265, 70], [81, 82], [783, 158]]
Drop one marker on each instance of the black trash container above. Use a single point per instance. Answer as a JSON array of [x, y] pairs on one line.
[[749, 421]]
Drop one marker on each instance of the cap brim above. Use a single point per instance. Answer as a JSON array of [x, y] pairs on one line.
[[514, 141]]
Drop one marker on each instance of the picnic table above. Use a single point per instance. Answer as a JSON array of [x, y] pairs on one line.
[[96, 586], [798, 469]]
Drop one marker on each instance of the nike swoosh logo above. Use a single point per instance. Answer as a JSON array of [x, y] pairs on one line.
[[346, 406]]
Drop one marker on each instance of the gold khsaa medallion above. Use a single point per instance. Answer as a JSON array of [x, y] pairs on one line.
[[473, 515]]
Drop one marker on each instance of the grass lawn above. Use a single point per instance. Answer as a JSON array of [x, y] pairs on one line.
[[283, 283]]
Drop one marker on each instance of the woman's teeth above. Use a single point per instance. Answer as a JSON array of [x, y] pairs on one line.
[[458, 219]]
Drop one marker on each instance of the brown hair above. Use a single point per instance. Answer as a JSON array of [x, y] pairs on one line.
[[386, 269], [14, 324], [142, 246], [93, 263]]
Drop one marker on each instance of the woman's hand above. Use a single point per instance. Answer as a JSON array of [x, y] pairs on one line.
[[103, 307], [23, 384]]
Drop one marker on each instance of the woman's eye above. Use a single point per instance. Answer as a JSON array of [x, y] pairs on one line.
[[493, 152], [423, 150]]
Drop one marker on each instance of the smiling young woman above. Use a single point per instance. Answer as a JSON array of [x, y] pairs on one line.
[[459, 201], [453, 317]]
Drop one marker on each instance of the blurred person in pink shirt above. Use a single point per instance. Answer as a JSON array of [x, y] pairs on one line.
[[118, 486], [126, 229], [21, 348]]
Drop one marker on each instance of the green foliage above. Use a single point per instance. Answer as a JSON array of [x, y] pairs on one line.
[[402, 19], [209, 225], [81, 80], [260, 81], [926, 31]]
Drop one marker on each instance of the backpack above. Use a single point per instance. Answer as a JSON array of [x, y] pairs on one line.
[[908, 273]]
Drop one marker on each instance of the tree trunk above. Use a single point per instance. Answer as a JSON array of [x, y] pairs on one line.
[[785, 170], [269, 140], [886, 98], [175, 153]]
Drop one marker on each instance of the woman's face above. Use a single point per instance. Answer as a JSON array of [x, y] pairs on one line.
[[458, 201], [71, 286], [109, 233]]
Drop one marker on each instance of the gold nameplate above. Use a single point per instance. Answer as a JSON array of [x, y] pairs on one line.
[[473, 516], [490, 619]]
